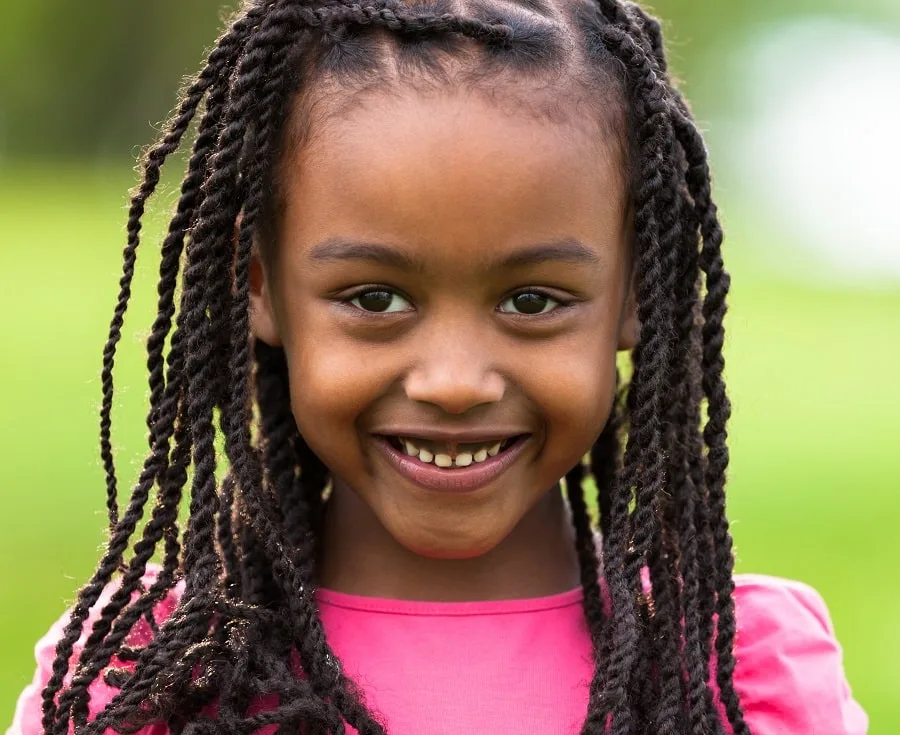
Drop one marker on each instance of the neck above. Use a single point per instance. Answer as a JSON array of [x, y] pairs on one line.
[[360, 557]]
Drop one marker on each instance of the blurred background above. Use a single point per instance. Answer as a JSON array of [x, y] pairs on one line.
[[800, 102]]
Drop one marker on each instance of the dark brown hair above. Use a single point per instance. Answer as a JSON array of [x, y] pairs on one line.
[[247, 618]]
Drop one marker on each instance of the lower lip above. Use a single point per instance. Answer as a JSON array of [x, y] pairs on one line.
[[455, 479]]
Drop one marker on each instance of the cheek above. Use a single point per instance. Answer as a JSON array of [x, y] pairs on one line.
[[330, 383], [580, 376], [576, 388], [327, 385], [334, 381]]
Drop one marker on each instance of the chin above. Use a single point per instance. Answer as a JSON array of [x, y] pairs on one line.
[[450, 543]]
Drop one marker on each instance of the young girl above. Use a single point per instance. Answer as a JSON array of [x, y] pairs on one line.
[[410, 242]]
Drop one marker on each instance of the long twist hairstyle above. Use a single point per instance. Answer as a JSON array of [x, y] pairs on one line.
[[246, 628]]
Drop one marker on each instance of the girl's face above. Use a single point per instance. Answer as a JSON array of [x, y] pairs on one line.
[[453, 274]]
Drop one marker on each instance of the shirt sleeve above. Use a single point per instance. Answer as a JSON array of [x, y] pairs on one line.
[[27, 719], [29, 708], [789, 671]]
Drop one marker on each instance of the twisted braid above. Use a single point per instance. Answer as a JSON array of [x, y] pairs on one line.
[[698, 181], [281, 437], [714, 434], [603, 465], [587, 552], [218, 60], [225, 536], [667, 630], [688, 482], [655, 283], [161, 524], [687, 476]]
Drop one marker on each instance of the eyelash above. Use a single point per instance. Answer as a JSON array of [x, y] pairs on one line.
[[561, 304], [348, 301]]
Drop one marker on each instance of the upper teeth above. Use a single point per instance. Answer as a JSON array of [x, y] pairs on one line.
[[475, 453]]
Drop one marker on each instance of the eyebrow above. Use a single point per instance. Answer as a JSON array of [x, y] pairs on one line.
[[566, 250], [563, 251], [373, 252]]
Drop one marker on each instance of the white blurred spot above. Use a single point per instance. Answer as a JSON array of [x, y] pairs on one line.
[[821, 148]]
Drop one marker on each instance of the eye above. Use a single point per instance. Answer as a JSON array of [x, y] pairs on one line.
[[530, 303], [380, 301]]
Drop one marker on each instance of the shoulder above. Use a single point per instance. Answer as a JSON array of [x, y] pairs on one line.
[[789, 669], [29, 708], [771, 604]]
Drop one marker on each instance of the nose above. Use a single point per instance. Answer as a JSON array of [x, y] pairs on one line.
[[455, 374]]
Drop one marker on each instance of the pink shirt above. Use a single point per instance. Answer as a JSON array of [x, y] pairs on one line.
[[523, 666]]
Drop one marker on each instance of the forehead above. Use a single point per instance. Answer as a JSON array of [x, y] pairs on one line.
[[453, 176]]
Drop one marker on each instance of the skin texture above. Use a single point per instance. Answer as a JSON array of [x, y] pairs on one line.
[[449, 354]]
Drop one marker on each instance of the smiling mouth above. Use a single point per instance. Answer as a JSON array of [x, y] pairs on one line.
[[452, 456], [456, 467]]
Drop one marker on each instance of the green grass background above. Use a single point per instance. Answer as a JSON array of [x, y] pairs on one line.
[[813, 375]]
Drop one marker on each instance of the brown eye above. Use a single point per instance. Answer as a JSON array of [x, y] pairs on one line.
[[379, 301], [529, 303]]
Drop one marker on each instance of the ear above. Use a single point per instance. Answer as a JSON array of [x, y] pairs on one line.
[[629, 324], [263, 323]]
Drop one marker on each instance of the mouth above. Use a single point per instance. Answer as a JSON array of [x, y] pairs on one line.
[[451, 467], [451, 455]]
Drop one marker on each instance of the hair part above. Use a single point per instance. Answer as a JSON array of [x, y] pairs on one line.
[[247, 619]]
